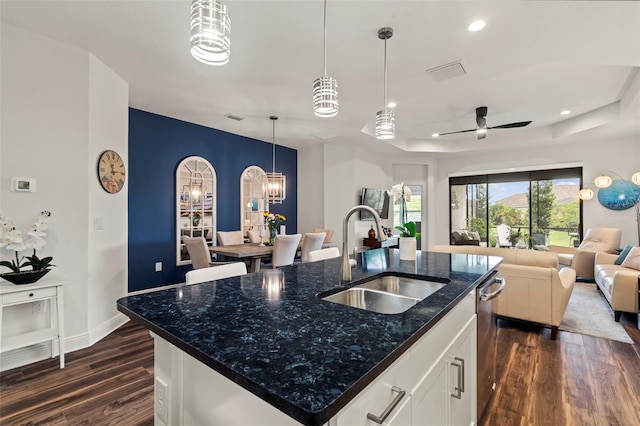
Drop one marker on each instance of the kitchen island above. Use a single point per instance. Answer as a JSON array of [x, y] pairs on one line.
[[279, 345]]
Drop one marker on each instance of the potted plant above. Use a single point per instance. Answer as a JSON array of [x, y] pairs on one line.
[[273, 220], [408, 240], [13, 239]]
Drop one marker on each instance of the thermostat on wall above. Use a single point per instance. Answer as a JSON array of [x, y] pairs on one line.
[[23, 185]]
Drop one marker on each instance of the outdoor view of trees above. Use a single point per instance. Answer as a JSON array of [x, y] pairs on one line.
[[539, 212]]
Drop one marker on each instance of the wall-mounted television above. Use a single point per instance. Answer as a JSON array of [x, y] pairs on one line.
[[377, 199]]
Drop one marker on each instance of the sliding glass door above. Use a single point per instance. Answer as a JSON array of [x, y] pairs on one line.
[[530, 209]]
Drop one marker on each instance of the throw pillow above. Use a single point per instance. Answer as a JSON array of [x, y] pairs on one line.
[[456, 235], [475, 235], [633, 259], [623, 255], [466, 236]]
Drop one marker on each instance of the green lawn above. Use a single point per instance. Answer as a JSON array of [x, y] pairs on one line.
[[557, 238]]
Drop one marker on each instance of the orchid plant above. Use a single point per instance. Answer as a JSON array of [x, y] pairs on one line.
[[402, 195], [13, 239]]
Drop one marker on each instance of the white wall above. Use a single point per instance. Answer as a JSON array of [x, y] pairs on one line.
[[310, 188], [620, 156], [56, 99]]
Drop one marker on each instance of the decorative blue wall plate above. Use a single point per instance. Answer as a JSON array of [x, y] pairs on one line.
[[621, 195]]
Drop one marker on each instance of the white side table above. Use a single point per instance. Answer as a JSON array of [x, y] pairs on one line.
[[48, 288]]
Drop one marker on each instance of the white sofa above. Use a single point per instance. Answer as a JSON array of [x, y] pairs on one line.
[[536, 291], [618, 284]]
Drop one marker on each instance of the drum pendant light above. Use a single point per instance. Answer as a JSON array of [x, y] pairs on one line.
[[385, 119], [210, 32], [325, 89]]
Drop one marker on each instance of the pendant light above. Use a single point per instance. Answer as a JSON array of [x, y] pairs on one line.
[[385, 119], [325, 89], [210, 32], [276, 182]]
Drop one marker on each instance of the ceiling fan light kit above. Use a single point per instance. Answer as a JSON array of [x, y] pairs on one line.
[[210, 32], [325, 89], [385, 119]]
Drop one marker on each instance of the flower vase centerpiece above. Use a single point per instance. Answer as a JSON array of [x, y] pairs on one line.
[[13, 239], [273, 220], [408, 229]]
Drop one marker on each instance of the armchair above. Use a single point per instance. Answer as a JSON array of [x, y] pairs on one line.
[[582, 258]]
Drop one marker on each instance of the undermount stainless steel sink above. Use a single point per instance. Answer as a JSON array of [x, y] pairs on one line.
[[386, 295]]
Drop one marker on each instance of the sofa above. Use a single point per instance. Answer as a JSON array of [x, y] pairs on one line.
[[465, 238], [535, 290], [618, 284], [582, 258]]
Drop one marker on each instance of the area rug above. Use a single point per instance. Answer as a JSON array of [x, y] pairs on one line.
[[589, 313]]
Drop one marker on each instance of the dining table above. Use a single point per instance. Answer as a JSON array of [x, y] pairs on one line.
[[252, 251]]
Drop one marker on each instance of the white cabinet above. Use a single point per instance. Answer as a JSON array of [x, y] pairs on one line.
[[441, 364], [446, 395]]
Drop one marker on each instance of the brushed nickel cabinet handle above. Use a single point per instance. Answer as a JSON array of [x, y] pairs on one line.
[[488, 296], [458, 389], [380, 419]]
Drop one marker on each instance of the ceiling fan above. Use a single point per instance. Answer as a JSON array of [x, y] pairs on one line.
[[481, 121]]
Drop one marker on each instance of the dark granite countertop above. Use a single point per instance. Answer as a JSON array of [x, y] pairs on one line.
[[305, 356]]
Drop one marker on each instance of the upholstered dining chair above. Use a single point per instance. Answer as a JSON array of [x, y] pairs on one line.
[[323, 254], [284, 249], [254, 236], [582, 259], [198, 252], [310, 242], [216, 272], [229, 238], [328, 237]]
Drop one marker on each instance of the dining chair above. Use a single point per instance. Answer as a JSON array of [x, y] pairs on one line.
[[215, 272], [329, 235], [198, 252], [228, 238], [284, 249], [254, 236], [310, 242], [323, 254]]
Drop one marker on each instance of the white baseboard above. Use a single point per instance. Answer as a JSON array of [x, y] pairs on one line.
[[34, 353]]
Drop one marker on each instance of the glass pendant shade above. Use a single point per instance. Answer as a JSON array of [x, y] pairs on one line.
[[385, 124], [210, 32], [636, 178], [603, 181], [585, 194], [325, 97]]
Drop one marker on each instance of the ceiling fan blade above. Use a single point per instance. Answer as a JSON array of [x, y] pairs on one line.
[[511, 125], [459, 131]]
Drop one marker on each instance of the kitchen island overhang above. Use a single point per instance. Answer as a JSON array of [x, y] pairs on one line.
[[305, 356]]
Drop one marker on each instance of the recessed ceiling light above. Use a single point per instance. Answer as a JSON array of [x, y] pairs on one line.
[[435, 135], [391, 104], [476, 26], [565, 112]]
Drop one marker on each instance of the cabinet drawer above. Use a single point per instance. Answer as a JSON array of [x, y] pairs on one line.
[[28, 295], [378, 396]]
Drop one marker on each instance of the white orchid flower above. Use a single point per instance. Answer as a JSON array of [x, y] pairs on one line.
[[396, 190], [36, 232], [407, 193], [36, 243]]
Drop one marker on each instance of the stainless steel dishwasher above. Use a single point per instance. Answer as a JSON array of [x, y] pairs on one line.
[[487, 339]]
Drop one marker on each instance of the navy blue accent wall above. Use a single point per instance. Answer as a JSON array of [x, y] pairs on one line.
[[157, 144]]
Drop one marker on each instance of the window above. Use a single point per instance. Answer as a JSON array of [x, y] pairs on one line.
[[540, 207]]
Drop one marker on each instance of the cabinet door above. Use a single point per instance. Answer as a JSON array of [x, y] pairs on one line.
[[462, 362], [430, 399]]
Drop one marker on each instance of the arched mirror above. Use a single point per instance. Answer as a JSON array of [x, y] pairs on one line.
[[252, 202], [195, 204]]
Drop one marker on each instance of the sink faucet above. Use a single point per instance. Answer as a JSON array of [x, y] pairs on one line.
[[346, 267]]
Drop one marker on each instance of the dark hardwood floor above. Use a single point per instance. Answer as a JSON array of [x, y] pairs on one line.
[[574, 380], [110, 383]]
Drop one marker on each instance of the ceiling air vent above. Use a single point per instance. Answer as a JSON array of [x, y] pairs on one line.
[[234, 117], [448, 71]]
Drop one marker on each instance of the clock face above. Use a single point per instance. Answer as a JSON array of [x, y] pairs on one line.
[[111, 171]]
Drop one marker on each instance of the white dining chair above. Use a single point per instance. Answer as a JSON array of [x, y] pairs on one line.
[[198, 252], [216, 272], [323, 254], [310, 242], [284, 249], [229, 238], [254, 236]]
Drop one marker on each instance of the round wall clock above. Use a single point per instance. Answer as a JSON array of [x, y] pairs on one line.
[[111, 171]]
